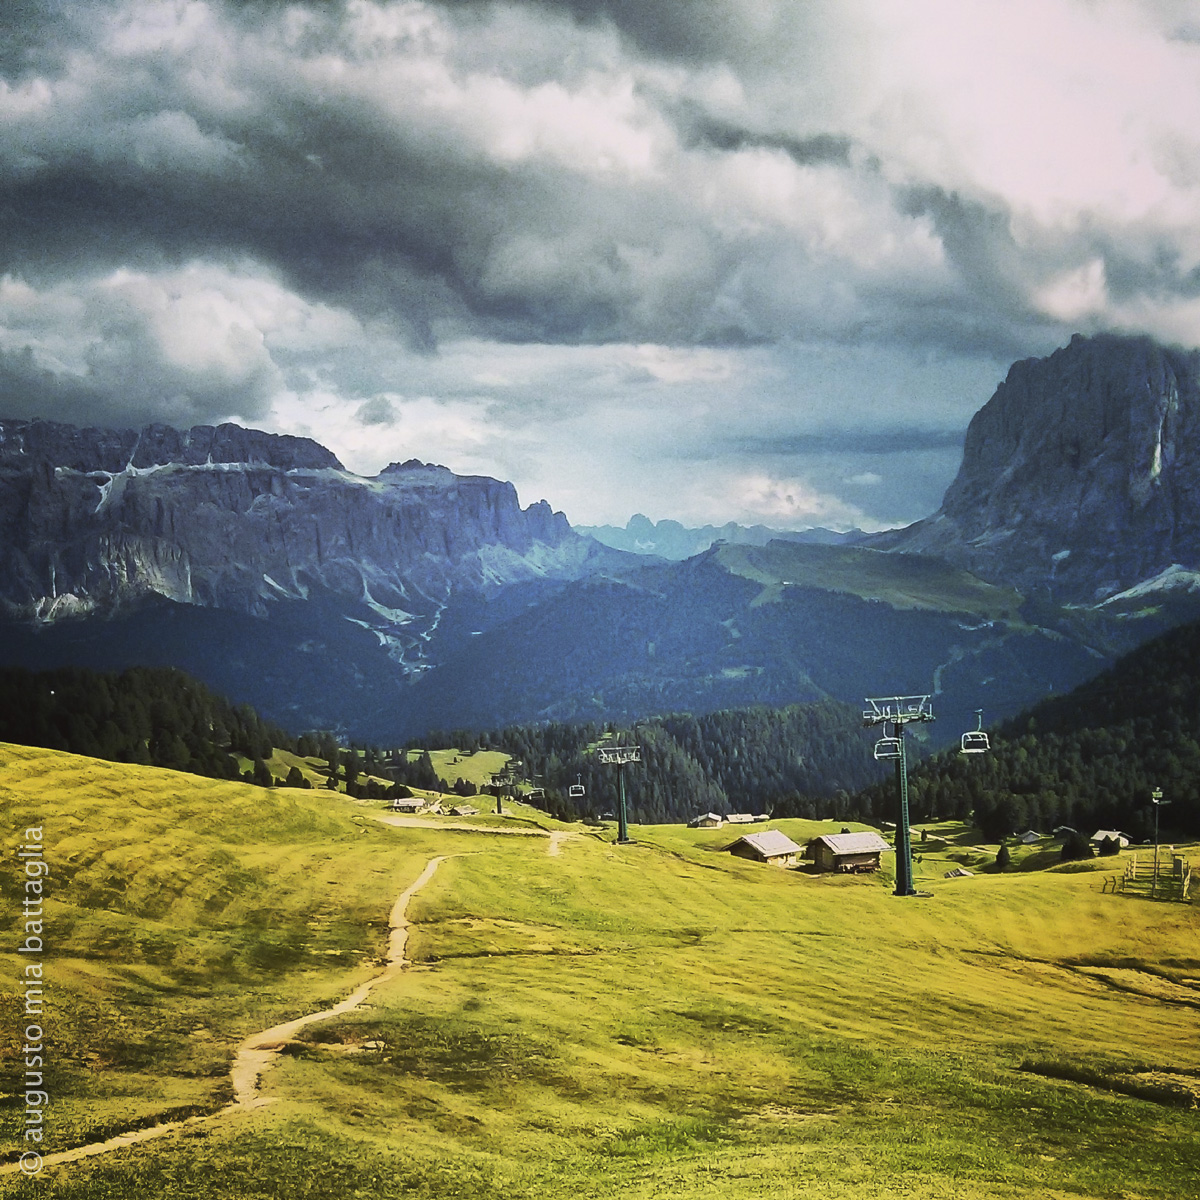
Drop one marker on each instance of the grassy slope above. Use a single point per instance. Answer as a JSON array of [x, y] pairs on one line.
[[904, 581], [477, 768], [657, 1019]]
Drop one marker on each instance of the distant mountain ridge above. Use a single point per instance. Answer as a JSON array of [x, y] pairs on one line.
[[95, 522], [674, 541]]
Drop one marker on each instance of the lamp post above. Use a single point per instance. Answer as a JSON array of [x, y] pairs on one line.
[[1157, 800]]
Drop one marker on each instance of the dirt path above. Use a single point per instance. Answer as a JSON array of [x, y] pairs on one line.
[[556, 837], [256, 1054], [429, 823], [260, 1050]]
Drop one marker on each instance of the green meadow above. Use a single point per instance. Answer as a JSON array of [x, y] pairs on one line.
[[651, 1020]]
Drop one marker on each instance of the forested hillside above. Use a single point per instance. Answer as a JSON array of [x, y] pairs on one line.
[[154, 716], [1089, 759], [802, 760]]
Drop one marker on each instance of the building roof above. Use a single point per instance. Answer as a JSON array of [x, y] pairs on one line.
[[741, 818], [708, 816], [959, 873], [771, 843], [868, 842], [1115, 834]]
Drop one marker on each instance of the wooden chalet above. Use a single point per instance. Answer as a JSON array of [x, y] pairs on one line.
[[847, 852], [1122, 839], [407, 804], [464, 810], [771, 847], [708, 820]]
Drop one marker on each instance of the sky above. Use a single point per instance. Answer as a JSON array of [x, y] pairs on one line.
[[708, 260]]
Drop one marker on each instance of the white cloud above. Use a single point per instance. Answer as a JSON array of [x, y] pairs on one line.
[[1075, 295]]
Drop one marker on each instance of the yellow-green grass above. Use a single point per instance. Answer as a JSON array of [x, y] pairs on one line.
[[477, 768], [183, 913], [903, 581], [661, 1019], [314, 769]]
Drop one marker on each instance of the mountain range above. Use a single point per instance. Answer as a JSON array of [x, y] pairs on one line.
[[385, 606], [675, 541]]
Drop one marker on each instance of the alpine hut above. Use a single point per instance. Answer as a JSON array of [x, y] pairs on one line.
[[408, 804], [847, 852], [771, 846]]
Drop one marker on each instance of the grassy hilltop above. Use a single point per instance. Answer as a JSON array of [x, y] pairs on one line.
[[650, 1020]]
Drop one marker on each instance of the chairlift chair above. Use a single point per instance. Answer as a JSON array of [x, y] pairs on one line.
[[576, 790], [975, 741], [889, 747]]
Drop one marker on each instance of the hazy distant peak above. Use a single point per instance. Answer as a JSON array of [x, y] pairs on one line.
[[672, 540]]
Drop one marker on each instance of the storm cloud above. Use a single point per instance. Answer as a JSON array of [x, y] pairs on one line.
[[484, 232]]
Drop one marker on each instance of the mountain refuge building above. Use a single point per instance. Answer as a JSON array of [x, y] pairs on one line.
[[847, 852], [771, 847]]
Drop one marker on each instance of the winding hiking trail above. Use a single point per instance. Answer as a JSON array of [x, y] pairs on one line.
[[260, 1050], [556, 836], [256, 1054]]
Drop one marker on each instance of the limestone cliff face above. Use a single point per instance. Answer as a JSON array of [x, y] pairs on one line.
[[94, 521], [1081, 473]]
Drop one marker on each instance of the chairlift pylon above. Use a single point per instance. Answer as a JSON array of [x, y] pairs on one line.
[[889, 747], [975, 741]]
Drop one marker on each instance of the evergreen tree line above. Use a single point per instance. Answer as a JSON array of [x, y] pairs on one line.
[[156, 716], [161, 717], [1087, 760], [361, 768], [802, 760]]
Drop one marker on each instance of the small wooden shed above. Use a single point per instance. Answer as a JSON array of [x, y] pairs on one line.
[[1122, 839], [708, 820], [847, 852], [771, 846]]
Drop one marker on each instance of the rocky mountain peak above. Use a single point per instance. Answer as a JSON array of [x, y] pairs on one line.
[[1082, 470], [114, 450], [93, 521]]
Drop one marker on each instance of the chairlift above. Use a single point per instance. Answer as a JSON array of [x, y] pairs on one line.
[[889, 747], [975, 741]]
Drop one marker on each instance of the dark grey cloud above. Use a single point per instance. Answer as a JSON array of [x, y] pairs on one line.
[[348, 200], [220, 209], [892, 439], [673, 29]]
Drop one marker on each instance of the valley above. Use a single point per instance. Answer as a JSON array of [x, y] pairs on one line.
[[389, 606]]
